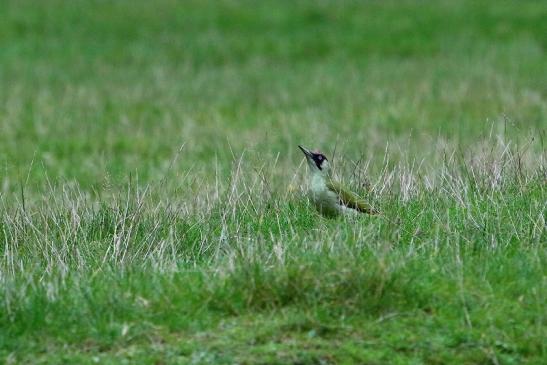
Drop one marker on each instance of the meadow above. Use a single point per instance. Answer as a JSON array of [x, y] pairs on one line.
[[153, 201]]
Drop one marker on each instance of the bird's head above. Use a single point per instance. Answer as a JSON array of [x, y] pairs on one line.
[[317, 161]]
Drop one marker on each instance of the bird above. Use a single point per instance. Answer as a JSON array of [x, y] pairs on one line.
[[329, 197]]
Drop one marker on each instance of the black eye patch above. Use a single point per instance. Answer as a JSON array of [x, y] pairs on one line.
[[318, 159]]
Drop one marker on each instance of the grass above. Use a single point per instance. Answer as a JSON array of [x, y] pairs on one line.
[[152, 198]]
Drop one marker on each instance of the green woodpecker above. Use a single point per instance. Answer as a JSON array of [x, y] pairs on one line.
[[330, 197]]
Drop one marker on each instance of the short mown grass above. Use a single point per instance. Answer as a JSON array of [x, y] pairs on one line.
[[152, 198]]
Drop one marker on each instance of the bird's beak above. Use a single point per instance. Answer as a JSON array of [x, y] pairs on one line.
[[306, 152]]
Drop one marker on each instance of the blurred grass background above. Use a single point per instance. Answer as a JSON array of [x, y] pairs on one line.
[[93, 90]]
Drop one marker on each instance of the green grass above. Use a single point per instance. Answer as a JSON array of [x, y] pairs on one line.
[[152, 198]]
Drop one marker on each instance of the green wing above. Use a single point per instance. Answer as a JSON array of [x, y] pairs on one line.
[[350, 199]]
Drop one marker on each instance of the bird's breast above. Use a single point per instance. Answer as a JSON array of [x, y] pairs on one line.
[[325, 200]]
